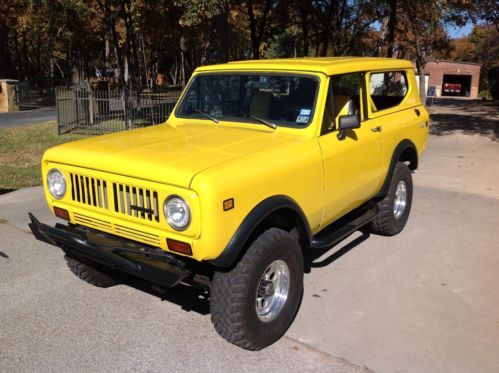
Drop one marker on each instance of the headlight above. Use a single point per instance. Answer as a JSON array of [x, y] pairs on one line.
[[56, 183], [177, 213]]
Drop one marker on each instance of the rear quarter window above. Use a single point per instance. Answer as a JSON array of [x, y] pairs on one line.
[[387, 89]]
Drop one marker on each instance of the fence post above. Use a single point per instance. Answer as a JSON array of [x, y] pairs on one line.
[[91, 105], [58, 111], [126, 109]]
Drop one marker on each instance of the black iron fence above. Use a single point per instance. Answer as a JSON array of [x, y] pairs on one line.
[[83, 110], [35, 93]]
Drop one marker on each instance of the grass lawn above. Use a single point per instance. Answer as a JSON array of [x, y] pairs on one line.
[[21, 150]]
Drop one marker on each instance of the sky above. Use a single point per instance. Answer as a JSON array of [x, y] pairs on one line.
[[459, 32], [453, 31]]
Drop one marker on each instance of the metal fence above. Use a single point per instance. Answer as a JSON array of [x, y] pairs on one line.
[[34, 94], [83, 110]]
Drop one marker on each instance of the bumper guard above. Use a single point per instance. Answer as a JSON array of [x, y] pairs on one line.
[[149, 263]]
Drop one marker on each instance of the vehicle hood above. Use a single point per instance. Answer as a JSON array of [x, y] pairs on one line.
[[166, 154]]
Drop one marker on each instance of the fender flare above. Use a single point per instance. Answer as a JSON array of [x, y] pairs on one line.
[[261, 211], [399, 150]]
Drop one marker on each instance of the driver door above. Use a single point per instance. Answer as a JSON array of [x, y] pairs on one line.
[[353, 169]]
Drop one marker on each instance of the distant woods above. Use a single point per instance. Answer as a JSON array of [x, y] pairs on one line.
[[140, 43]]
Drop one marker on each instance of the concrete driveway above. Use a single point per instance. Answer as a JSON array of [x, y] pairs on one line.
[[51, 321], [423, 301], [20, 118]]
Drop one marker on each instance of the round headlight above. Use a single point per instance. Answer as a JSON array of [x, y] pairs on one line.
[[56, 183], [177, 213]]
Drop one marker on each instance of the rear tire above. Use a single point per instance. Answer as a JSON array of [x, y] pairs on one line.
[[254, 304], [90, 274], [394, 209]]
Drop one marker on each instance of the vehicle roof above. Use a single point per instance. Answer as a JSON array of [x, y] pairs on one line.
[[326, 65]]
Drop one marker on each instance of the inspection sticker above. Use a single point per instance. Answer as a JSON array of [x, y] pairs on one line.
[[304, 116]]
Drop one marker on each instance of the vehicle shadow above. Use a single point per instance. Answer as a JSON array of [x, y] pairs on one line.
[[189, 298], [337, 251], [195, 299]]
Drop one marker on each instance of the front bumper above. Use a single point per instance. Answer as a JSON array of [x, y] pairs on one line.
[[120, 254]]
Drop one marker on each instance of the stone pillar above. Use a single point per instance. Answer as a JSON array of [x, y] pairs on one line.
[[8, 96]]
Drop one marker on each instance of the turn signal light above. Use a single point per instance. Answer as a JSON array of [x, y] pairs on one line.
[[61, 213], [179, 247]]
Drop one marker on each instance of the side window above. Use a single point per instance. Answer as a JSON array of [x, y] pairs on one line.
[[344, 98], [387, 89]]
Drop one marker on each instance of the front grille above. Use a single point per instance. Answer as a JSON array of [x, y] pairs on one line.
[[134, 201], [136, 235], [126, 199], [120, 230], [92, 222], [89, 190]]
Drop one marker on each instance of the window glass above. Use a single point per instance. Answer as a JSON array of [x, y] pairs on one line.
[[285, 100], [343, 99], [387, 89]]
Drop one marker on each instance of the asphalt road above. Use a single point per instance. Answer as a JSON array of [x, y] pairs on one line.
[[423, 301], [20, 118]]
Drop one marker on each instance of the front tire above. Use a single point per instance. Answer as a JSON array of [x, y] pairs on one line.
[[254, 304], [394, 209], [90, 274]]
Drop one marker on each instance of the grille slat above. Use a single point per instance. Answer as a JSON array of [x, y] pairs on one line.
[[156, 207], [99, 193], [82, 189], [134, 194], [94, 196], [106, 205], [138, 235], [120, 230], [94, 223]]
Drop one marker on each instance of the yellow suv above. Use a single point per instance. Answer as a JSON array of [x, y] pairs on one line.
[[260, 163]]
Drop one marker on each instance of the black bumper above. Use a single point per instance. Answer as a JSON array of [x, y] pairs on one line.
[[151, 264]]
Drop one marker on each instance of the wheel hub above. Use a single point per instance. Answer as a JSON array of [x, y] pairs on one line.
[[267, 289], [400, 200], [272, 291]]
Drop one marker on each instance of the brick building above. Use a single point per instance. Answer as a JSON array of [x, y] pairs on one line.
[[452, 78]]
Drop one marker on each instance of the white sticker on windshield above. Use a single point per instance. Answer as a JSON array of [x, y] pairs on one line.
[[302, 119], [305, 112]]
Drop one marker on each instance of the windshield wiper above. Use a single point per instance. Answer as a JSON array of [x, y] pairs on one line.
[[206, 115], [263, 121]]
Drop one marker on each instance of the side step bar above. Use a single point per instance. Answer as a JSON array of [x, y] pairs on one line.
[[343, 227]]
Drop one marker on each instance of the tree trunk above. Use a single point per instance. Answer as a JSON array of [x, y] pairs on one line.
[[257, 29], [216, 37], [392, 24], [5, 57], [304, 29], [182, 60], [255, 43], [420, 66], [327, 29]]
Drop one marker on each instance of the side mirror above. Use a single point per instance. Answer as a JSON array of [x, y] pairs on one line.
[[347, 122]]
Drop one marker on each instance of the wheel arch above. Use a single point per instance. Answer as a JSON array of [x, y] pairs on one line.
[[405, 151], [278, 211]]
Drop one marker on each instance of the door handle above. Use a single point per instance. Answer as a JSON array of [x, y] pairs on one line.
[[418, 113], [377, 129]]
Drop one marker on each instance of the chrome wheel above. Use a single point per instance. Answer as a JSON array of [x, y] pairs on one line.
[[400, 200], [272, 291]]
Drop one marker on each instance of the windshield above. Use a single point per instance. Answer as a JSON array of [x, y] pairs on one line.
[[282, 100]]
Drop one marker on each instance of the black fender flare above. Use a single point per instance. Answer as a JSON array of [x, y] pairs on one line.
[[262, 210], [399, 150]]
